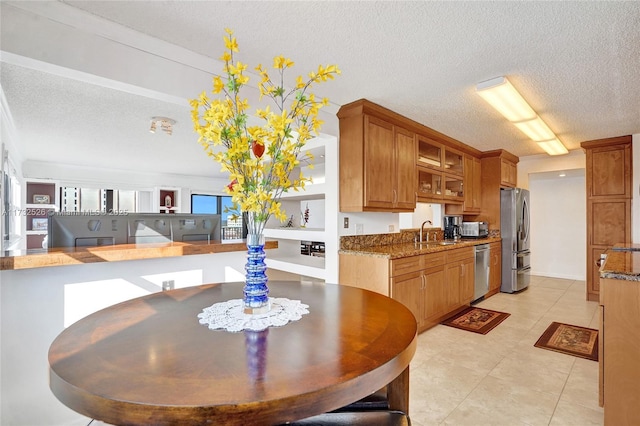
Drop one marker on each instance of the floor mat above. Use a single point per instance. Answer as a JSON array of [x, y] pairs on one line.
[[476, 320], [570, 339]]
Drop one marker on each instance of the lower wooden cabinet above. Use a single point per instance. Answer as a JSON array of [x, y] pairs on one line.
[[495, 268], [460, 275], [433, 286], [619, 351]]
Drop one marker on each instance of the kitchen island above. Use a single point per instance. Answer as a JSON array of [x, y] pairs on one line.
[[619, 337], [44, 291]]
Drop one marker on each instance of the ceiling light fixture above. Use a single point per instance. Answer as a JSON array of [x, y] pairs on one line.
[[166, 124], [501, 95]]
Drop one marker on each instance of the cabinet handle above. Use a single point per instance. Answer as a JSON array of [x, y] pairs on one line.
[[395, 196], [462, 270]]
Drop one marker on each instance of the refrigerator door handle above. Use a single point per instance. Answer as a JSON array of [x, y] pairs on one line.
[[524, 270], [525, 219]]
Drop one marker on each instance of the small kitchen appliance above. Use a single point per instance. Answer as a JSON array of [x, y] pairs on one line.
[[452, 227], [474, 230]]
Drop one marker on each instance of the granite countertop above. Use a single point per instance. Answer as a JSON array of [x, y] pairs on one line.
[[623, 263], [41, 258], [396, 251]]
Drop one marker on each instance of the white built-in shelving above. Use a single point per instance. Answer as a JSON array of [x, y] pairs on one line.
[[40, 198], [318, 196]]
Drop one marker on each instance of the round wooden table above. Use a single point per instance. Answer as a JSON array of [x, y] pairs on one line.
[[149, 360]]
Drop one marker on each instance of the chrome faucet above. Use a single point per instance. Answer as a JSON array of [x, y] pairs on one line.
[[422, 229]]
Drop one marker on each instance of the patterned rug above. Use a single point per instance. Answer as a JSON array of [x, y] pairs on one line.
[[477, 320], [570, 339]]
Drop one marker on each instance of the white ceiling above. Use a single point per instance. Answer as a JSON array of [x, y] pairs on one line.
[[82, 78]]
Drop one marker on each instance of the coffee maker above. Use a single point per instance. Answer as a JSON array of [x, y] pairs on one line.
[[452, 226]]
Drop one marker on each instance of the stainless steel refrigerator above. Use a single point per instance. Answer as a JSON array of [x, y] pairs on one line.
[[515, 232]]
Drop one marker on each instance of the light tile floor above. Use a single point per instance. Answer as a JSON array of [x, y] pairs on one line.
[[463, 378]]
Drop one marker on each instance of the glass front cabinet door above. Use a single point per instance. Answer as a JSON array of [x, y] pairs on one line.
[[429, 185], [429, 153]]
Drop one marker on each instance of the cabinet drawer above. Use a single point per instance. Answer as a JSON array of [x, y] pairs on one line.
[[460, 254], [406, 265]]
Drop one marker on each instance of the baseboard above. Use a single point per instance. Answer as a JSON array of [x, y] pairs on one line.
[[562, 276]]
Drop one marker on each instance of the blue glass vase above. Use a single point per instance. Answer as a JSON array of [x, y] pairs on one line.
[[256, 292]]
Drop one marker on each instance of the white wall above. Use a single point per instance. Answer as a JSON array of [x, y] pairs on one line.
[[37, 304], [558, 224]]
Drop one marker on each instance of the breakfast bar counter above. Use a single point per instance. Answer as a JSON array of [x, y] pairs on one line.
[[623, 263], [40, 258]]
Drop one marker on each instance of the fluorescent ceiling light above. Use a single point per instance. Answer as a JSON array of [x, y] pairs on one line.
[[536, 129], [553, 147], [505, 99], [501, 95]]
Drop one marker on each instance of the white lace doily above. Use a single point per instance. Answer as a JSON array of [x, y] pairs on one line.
[[229, 315]]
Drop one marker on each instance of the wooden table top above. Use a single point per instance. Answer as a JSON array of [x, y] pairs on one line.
[[149, 360]]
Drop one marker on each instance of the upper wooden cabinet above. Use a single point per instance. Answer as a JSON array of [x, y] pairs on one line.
[[388, 161], [430, 153], [472, 185], [377, 164], [498, 171], [453, 161], [508, 173], [608, 167]]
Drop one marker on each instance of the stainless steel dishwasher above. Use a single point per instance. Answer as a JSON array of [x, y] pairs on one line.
[[483, 254]]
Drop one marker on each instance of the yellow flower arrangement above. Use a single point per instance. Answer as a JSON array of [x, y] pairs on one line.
[[258, 180]]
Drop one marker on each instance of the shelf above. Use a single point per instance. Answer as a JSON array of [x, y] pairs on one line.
[[44, 232], [306, 234], [310, 266], [40, 206], [313, 191]]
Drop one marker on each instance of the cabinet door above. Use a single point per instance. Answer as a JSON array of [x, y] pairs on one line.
[[508, 173], [495, 278], [429, 185], [472, 185], [429, 153], [467, 281], [453, 161], [435, 297], [379, 154], [454, 281], [405, 175], [408, 289], [609, 171]]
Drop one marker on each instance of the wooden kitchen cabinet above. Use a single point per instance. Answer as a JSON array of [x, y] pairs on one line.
[[429, 185], [433, 286], [498, 171], [378, 162], [608, 178], [495, 268], [453, 161], [619, 351], [430, 153], [472, 185], [508, 173], [460, 275]]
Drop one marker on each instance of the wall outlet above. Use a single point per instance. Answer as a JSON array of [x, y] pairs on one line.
[[391, 228], [346, 222], [168, 285], [359, 229]]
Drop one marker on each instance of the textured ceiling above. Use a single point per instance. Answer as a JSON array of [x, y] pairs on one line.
[[575, 62]]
